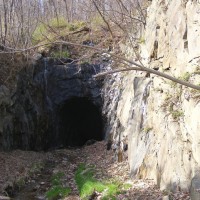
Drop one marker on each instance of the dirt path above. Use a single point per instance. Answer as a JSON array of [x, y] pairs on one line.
[[38, 168]]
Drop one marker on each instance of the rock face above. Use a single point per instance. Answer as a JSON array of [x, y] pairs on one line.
[[159, 119], [5, 118], [155, 119], [48, 96]]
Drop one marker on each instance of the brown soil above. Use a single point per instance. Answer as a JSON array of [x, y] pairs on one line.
[[17, 165]]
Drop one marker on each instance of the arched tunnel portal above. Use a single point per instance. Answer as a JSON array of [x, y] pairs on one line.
[[80, 120]]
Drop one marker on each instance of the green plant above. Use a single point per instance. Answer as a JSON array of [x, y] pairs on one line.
[[197, 70], [176, 114], [39, 33], [141, 40], [56, 178], [85, 62], [185, 76], [97, 22], [57, 190], [126, 186], [147, 129], [76, 25], [195, 92], [87, 184], [173, 84], [58, 22], [44, 31], [60, 54]]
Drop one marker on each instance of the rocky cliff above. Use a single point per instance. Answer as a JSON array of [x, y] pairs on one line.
[[159, 119], [156, 119], [51, 99]]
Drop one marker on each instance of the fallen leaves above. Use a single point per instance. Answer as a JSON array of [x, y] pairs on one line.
[[18, 163]]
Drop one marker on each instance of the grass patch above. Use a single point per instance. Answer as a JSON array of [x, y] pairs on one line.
[[185, 76], [147, 129], [173, 84], [39, 33], [141, 40], [59, 22], [57, 190], [97, 22], [177, 114], [60, 54], [48, 31], [126, 186], [197, 70], [87, 184], [76, 25]]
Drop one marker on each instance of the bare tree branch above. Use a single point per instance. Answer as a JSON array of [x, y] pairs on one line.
[[102, 16]]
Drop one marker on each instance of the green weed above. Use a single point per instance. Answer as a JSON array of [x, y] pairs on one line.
[[39, 33], [126, 186], [76, 25], [47, 31], [59, 22], [147, 129], [185, 76], [197, 70], [173, 84], [176, 114], [57, 190], [60, 54], [141, 40], [87, 184], [97, 22]]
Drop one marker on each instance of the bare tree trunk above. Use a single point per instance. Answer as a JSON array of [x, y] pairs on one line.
[[67, 11], [102, 16], [5, 22]]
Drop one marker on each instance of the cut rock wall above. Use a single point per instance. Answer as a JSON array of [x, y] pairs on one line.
[[159, 119]]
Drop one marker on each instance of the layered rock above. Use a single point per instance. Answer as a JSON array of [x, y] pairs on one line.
[[6, 124], [159, 118], [33, 119]]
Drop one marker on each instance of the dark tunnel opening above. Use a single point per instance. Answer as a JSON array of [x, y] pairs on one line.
[[80, 121]]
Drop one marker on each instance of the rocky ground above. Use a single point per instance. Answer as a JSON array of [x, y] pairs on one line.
[[27, 175]]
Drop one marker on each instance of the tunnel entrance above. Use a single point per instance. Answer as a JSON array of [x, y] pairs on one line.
[[80, 121]]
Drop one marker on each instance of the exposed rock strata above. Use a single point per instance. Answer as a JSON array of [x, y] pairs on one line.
[[157, 118], [31, 120], [160, 119]]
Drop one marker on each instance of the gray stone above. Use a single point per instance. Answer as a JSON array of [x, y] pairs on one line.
[[32, 120], [4, 198], [163, 128], [195, 188], [166, 198]]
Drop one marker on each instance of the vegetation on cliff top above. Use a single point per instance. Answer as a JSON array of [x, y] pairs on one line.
[[73, 29]]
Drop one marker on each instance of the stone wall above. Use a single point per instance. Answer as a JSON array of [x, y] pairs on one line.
[[30, 115], [5, 117], [159, 118]]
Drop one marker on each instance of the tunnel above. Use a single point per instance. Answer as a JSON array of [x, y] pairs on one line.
[[80, 121]]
